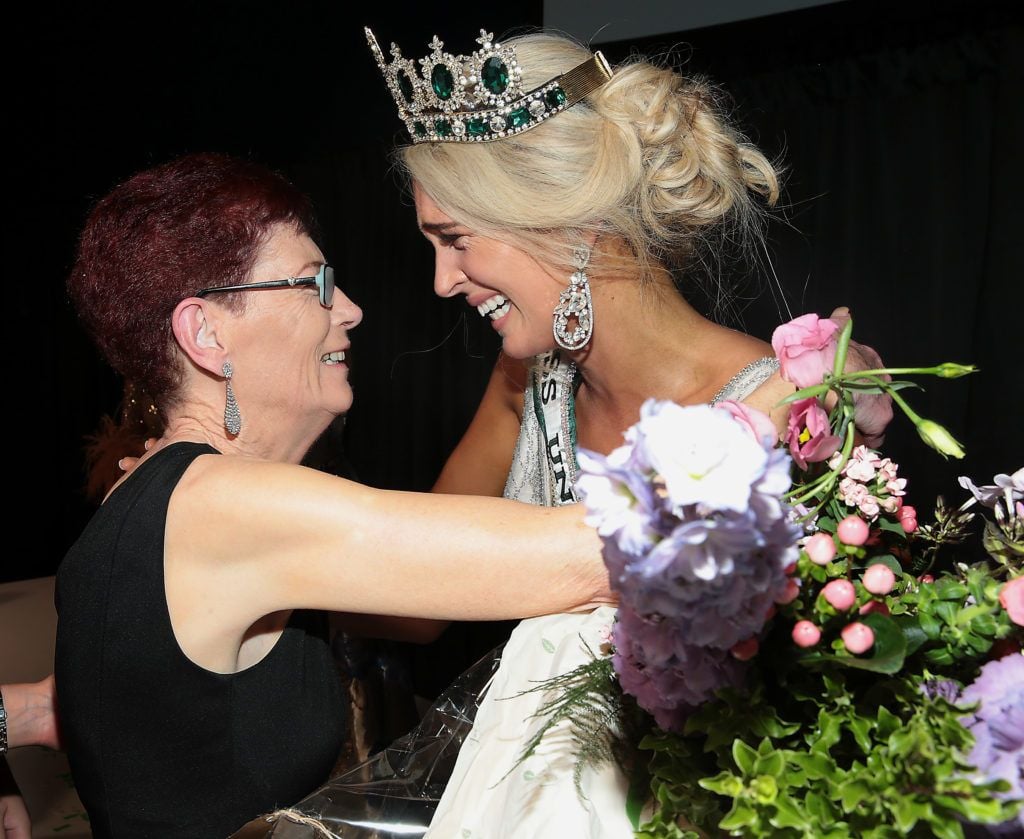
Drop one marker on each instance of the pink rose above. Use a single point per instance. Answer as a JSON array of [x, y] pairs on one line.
[[761, 428], [809, 436], [872, 412], [806, 349], [1011, 598]]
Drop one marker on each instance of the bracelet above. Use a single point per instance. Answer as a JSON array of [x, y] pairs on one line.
[[3, 726]]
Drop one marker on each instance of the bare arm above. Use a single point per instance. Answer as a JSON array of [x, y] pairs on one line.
[[480, 462], [267, 537], [478, 466], [31, 714]]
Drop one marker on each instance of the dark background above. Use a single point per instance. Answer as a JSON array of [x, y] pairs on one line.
[[900, 127]]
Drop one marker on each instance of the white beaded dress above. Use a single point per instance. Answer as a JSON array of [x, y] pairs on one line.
[[489, 796]]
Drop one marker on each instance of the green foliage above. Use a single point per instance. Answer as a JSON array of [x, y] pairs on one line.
[[844, 763], [827, 744], [821, 742]]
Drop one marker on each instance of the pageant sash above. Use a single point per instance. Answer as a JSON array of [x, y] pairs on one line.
[[553, 404]]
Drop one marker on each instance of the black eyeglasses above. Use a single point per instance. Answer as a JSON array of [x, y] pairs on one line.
[[324, 282]]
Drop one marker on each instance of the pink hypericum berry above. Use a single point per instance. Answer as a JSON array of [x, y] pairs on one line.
[[909, 524], [852, 530], [874, 606], [899, 503], [745, 650], [879, 579], [821, 548], [926, 578], [840, 594], [858, 638], [906, 512], [789, 594], [806, 634], [789, 569]]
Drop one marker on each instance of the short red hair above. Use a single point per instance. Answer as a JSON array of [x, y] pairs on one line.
[[159, 237]]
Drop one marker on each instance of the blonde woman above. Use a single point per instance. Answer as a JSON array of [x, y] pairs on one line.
[[569, 202]]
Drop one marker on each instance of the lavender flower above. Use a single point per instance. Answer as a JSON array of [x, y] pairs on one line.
[[1010, 487], [942, 689], [697, 539]]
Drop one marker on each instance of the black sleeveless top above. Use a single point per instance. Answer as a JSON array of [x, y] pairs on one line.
[[160, 747]]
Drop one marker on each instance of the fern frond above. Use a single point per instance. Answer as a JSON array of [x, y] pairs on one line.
[[588, 697]]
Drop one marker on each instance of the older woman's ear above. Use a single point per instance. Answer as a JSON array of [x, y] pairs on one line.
[[196, 326]]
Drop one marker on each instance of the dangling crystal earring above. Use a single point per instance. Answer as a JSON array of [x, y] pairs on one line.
[[575, 302], [232, 416]]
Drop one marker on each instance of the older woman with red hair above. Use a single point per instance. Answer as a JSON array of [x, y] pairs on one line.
[[195, 687]]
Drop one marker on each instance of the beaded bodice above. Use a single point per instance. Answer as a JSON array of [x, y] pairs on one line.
[[544, 463]]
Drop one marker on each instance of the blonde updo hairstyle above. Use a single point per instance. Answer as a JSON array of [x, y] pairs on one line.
[[649, 161]]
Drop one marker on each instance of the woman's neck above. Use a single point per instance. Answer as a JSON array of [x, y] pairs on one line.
[[260, 436], [637, 329], [649, 342]]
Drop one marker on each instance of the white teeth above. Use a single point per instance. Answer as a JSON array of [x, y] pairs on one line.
[[490, 305], [335, 357], [501, 311]]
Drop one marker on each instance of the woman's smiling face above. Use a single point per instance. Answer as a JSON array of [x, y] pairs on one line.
[[290, 349], [505, 284]]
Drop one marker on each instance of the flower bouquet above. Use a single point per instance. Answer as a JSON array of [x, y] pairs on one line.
[[793, 654]]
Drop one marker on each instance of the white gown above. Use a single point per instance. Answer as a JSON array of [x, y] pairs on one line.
[[488, 796]]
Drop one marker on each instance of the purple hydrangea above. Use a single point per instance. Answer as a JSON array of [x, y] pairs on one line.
[[697, 538], [998, 723]]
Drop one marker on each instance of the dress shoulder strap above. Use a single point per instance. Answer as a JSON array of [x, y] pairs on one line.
[[747, 380]]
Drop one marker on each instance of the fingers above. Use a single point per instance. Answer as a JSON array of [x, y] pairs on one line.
[[14, 819]]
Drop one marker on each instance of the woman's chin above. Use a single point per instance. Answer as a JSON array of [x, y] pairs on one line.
[[514, 346]]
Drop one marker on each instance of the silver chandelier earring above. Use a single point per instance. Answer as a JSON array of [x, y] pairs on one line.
[[232, 416], [575, 302]]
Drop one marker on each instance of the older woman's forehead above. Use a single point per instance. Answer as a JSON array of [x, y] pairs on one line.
[[287, 252]]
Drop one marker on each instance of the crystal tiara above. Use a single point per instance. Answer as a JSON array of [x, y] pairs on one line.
[[478, 97]]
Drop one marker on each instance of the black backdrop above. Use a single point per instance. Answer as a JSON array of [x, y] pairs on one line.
[[901, 131]]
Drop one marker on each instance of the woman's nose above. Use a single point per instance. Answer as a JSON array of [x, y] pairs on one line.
[[447, 277], [344, 311]]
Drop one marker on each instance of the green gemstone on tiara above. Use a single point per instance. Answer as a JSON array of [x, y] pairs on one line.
[[442, 81], [555, 97], [518, 118], [406, 86], [478, 97], [494, 75]]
